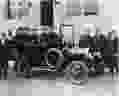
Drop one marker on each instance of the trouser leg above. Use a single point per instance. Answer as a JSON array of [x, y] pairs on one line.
[[27, 67], [0, 71], [5, 71]]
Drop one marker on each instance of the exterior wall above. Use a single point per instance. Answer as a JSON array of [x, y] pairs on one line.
[[60, 13]]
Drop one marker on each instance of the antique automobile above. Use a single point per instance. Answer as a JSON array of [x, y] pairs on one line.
[[32, 54]]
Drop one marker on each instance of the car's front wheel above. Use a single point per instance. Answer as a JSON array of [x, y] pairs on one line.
[[77, 72]]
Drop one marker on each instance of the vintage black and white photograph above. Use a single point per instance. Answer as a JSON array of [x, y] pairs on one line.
[[59, 48]]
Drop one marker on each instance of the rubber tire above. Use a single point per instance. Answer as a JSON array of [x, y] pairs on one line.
[[83, 75]]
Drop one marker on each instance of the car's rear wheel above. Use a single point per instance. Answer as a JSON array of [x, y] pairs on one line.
[[54, 58]]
